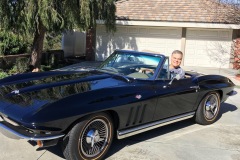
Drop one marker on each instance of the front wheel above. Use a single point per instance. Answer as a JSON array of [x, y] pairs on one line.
[[208, 109], [89, 139]]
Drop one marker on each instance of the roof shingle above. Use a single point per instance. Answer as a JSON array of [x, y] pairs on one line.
[[175, 10]]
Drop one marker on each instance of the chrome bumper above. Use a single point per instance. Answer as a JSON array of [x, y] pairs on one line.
[[11, 133]]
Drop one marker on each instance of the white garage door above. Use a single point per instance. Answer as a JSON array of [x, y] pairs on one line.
[[208, 48], [161, 40]]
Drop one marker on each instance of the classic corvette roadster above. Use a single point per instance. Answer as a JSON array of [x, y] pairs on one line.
[[129, 93]]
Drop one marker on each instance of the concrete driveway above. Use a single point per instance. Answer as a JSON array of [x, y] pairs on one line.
[[183, 140]]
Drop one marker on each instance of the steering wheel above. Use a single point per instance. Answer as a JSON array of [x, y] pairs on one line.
[[137, 69]]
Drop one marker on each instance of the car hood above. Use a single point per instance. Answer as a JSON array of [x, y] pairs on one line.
[[24, 93]]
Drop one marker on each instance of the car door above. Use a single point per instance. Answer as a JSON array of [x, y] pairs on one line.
[[176, 98]]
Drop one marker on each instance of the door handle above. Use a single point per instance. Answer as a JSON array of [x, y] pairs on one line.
[[195, 87]]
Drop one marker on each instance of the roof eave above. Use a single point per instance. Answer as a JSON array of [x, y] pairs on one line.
[[174, 24]]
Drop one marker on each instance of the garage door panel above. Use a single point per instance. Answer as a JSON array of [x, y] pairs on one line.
[[155, 48], [133, 31], [140, 40], [165, 32], [168, 52], [190, 53], [159, 47], [121, 30], [211, 47], [191, 33], [157, 39], [202, 61], [171, 41], [190, 61], [142, 30], [201, 44], [101, 40], [191, 43], [157, 31], [208, 34], [200, 52], [225, 35]]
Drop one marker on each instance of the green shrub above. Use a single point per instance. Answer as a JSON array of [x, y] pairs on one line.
[[46, 68], [5, 63], [11, 44], [13, 70], [21, 65], [52, 41], [3, 74]]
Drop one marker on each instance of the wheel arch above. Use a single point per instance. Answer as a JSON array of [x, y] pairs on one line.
[[220, 94], [115, 118]]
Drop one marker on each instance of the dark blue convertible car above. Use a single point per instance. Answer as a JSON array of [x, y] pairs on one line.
[[129, 93]]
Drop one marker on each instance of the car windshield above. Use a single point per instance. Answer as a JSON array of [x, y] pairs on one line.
[[132, 64]]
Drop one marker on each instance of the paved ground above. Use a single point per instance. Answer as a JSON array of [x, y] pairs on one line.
[[183, 140]]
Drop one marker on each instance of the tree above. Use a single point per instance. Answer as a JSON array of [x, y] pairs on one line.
[[36, 17], [227, 11]]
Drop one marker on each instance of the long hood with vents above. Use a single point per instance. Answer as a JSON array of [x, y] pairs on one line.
[[25, 93]]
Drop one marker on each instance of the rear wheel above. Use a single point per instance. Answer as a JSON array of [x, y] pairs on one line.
[[208, 109], [89, 139]]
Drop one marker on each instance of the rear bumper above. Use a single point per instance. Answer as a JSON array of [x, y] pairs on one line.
[[19, 133]]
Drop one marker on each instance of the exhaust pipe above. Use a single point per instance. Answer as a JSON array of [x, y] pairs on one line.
[[47, 143]]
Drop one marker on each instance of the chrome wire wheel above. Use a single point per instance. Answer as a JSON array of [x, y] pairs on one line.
[[94, 138], [90, 138], [211, 106]]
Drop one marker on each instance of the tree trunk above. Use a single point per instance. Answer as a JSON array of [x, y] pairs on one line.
[[37, 47]]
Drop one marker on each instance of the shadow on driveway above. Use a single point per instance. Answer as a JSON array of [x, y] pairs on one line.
[[226, 107]]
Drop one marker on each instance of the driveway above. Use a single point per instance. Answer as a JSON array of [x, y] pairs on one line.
[[183, 140]]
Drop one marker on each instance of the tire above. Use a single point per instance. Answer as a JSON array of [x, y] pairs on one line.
[[89, 139], [208, 109]]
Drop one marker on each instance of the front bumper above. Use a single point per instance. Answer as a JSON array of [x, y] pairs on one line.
[[16, 132]]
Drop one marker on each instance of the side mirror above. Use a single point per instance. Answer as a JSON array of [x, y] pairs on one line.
[[177, 77]]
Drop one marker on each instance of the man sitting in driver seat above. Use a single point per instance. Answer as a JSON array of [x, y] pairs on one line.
[[174, 68]]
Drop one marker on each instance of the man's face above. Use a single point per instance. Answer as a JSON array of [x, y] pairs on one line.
[[176, 60]]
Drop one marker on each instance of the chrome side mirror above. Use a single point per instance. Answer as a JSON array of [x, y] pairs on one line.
[[177, 77]]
